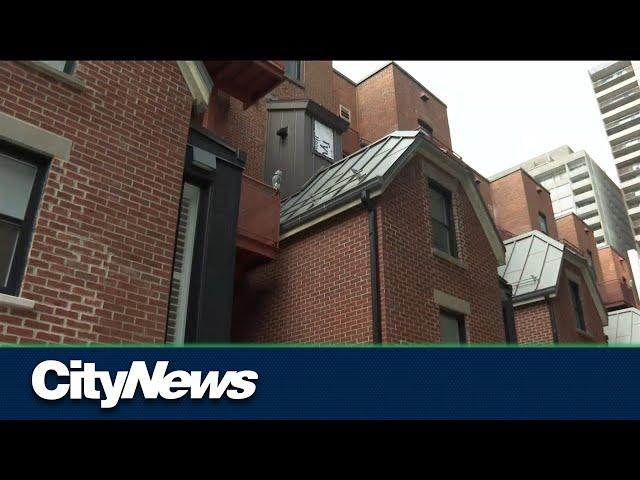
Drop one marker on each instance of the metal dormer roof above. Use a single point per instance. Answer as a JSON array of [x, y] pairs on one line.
[[338, 187], [533, 262], [344, 180]]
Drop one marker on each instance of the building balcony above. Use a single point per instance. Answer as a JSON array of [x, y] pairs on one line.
[[634, 212], [581, 186], [605, 69], [587, 211], [258, 220], [579, 173], [613, 79], [626, 147], [246, 80], [630, 185], [628, 159], [621, 111], [584, 197], [621, 124], [628, 172], [616, 294], [619, 100]]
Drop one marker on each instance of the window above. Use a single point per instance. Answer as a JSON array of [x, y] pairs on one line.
[[542, 220], [65, 66], [444, 234], [293, 69], [345, 113], [425, 126], [182, 266], [323, 140], [452, 327], [21, 179], [577, 305]]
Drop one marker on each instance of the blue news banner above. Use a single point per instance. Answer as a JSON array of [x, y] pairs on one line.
[[319, 383]]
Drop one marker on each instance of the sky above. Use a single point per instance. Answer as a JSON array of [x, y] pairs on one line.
[[503, 113]]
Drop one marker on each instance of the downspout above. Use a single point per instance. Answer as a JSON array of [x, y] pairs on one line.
[[374, 266], [552, 316]]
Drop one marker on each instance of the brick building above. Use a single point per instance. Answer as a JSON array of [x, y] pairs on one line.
[[151, 215], [357, 264], [549, 264], [94, 160]]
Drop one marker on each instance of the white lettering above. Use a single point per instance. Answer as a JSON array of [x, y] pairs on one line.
[[84, 381]]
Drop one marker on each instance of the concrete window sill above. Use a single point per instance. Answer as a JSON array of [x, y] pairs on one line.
[[16, 302], [449, 258], [62, 77]]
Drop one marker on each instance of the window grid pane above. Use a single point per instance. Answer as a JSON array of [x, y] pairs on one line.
[[443, 228], [16, 184], [577, 305], [9, 234], [452, 328]]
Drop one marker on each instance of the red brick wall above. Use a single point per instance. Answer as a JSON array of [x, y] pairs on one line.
[[611, 266], [533, 323], [100, 261], [246, 129], [484, 187], [517, 202], [575, 230], [410, 272], [377, 107], [317, 290], [390, 100], [411, 108], [345, 95], [565, 316]]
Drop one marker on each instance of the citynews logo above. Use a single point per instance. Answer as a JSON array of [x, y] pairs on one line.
[[82, 380]]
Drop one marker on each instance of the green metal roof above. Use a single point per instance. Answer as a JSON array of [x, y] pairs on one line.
[[533, 262], [343, 181]]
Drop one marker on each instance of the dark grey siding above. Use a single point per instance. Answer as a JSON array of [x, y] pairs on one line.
[[294, 154]]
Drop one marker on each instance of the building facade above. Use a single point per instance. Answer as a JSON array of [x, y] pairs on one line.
[[262, 201], [120, 214], [578, 185], [551, 265], [356, 265], [617, 89]]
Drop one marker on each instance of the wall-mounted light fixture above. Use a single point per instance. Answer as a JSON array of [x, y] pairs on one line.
[[283, 132]]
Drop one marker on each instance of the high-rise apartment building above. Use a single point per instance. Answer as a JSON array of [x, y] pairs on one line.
[[617, 89], [578, 185]]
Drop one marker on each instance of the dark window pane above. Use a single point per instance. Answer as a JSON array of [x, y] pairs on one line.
[[543, 223], [16, 183], [444, 235], [577, 305], [439, 206], [441, 237], [9, 233], [451, 327], [292, 69]]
